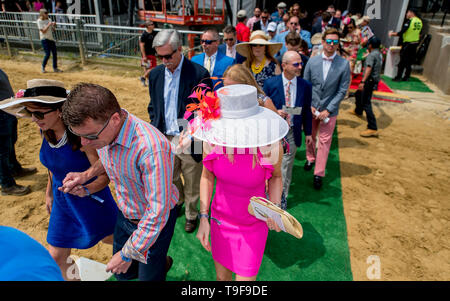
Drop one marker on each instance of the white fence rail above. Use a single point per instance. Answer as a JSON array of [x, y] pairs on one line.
[[76, 31]]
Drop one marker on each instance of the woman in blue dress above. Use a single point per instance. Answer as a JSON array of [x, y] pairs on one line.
[[83, 217]]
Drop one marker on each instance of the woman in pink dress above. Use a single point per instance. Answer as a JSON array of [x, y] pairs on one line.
[[242, 154]]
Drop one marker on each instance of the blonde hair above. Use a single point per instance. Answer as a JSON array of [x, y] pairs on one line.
[[42, 12], [242, 75]]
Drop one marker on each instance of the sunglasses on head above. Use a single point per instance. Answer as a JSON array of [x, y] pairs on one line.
[[92, 137], [330, 41], [37, 114], [208, 42], [230, 39], [166, 56]]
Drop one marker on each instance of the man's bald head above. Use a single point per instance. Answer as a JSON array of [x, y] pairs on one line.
[[289, 56]]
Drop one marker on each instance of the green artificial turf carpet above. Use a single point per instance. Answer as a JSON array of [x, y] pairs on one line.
[[413, 84], [321, 255]]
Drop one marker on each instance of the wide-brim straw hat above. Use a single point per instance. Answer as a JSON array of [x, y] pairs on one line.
[[316, 39], [243, 123], [45, 91], [258, 37]]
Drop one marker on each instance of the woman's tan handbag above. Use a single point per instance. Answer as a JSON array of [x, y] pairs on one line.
[[290, 223]]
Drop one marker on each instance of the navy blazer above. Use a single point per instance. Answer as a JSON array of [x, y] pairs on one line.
[[221, 64], [239, 58], [191, 75], [273, 87]]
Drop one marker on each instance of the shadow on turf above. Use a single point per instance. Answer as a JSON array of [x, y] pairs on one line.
[[285, 250]]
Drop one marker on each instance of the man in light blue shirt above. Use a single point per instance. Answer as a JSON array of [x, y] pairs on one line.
[[171, 86]]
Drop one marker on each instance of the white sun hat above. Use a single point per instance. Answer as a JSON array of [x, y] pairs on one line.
[[45, 91], [243, 123]]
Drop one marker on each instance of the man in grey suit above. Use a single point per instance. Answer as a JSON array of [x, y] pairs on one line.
[[329, 75]]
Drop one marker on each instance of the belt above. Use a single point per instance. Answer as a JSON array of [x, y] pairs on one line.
[[134, 221]]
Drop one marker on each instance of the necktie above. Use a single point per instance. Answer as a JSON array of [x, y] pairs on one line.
[[288, 101], [208, 65], [328, 59]]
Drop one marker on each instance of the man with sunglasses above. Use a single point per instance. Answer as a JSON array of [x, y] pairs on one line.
[[9, 166], [170, 85], [293, 26], [214, 61], [138, 159], [229, 46], [291, 96], [263, 23], [329, 75]]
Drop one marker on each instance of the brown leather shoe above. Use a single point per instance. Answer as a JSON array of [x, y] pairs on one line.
[[16, 190], [369, 133], [190, 225], [23, 172]]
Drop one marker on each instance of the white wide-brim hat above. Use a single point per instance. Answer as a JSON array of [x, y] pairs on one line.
[[243, 123], [45, 91], [258, 37]]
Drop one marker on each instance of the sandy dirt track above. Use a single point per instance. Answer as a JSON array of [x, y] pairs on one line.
[[395, 188]]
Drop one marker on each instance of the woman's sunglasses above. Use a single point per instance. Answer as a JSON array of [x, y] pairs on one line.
[[329, 41], [257, 45], [166, 56], [37, 114]]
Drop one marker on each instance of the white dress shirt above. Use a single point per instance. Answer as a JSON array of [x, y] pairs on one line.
[[213, 62], [293, 90], [327, 64], [231, 52]]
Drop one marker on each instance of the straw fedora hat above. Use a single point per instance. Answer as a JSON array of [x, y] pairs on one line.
[[258, 37], [243, 123], [46, 91]]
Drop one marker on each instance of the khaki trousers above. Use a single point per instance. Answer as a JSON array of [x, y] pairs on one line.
[[186, 176]]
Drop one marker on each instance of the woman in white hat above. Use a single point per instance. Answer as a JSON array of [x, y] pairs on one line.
[[260, 56], [242, 153], [85, 216]]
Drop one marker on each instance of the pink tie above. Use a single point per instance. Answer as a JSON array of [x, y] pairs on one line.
[[288, 101], [329, 59]]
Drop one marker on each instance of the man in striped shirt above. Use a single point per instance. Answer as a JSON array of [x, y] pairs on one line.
[[139, 161]]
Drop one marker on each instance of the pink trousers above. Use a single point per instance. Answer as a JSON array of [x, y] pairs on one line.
[[320, 156]]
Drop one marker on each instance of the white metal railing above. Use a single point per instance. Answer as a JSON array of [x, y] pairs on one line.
[[77, 31]]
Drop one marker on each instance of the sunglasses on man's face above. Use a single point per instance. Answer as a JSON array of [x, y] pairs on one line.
[[208, 42], [166, 56], [330, 41], [292, 23], [37, 114], [264, 17], [95, 136], [230, 39], [297, 65]]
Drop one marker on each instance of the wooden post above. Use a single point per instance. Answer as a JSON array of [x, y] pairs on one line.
[[7, 41], [80, 40]]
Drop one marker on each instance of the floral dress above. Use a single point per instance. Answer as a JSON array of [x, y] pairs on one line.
[[267, 72]]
